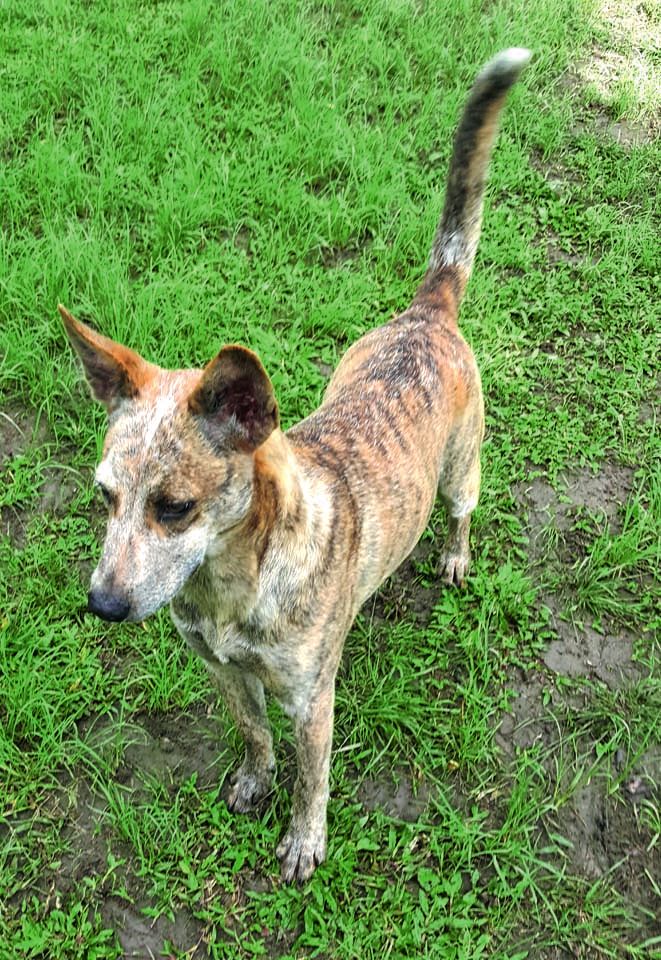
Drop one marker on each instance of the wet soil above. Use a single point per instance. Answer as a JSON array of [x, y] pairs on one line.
[[396, 795], [168, 749], [557, 540], [606, 832], [605, 820], [26, 438]]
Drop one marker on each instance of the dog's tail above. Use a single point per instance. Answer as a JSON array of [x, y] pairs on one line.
[[455, 243]]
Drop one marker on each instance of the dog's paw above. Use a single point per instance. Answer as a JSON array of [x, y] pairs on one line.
[[454, 568], [301, 851], [247, 786]]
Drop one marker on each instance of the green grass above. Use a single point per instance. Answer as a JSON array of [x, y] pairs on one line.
[[188, 174]]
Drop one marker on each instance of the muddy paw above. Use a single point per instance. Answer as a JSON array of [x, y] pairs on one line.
[[454, 568], [301, 852], [247, 787]]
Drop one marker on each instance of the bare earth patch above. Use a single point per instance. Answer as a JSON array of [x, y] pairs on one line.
[[168, 749], [603, 821], [142, 937], [24, 438], [20, 431], [397, 797], [556, 540]]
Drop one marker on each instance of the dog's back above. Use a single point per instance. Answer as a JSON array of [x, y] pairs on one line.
[[403, 412]]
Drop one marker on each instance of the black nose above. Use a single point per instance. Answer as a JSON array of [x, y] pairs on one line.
[[108, 606]]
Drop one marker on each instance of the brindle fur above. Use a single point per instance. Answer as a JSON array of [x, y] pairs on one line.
[[290, 533]]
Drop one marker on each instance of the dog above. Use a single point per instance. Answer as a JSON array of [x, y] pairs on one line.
[[265, 544]]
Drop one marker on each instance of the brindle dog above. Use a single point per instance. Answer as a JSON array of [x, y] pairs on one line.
[[266, 544]]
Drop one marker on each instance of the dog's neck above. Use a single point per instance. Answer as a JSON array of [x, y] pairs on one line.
[[227, 583], [277, 491]]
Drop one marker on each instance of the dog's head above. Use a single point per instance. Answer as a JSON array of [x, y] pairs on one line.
[[177, 468]]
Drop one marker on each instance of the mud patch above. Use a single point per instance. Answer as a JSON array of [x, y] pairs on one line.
[[556, 252], [397, 796], [612, 836], [85, 835], [606, 657], [240, 239], [155, 749], [170, 748], [626, 133], [610, 820], [325, 369], [31, 483], [57, 490], [334, 258], [20, 430], [559, 537], [602, 494], [561, 178], [608, 808], [143, 937]]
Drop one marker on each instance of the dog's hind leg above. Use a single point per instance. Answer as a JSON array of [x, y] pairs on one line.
[[459, 486], [455, 556], [244, 695]]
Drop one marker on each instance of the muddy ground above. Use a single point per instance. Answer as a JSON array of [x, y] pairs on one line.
[[601, 822]]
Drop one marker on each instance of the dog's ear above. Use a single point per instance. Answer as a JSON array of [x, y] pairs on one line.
[[113, 372], [235, 401]]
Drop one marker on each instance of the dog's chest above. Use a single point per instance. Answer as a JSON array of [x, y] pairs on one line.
[[215, 635], [249, 645]]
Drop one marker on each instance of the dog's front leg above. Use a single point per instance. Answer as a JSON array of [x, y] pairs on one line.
[[244, 695], [303, 847]]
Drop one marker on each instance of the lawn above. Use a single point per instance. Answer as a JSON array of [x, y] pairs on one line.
[[183, 174]]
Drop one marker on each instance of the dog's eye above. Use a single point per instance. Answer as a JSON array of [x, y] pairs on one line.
[[170, 511]]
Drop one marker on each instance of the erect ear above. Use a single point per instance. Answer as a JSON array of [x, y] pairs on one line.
[[113, 372], [235, 400]]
